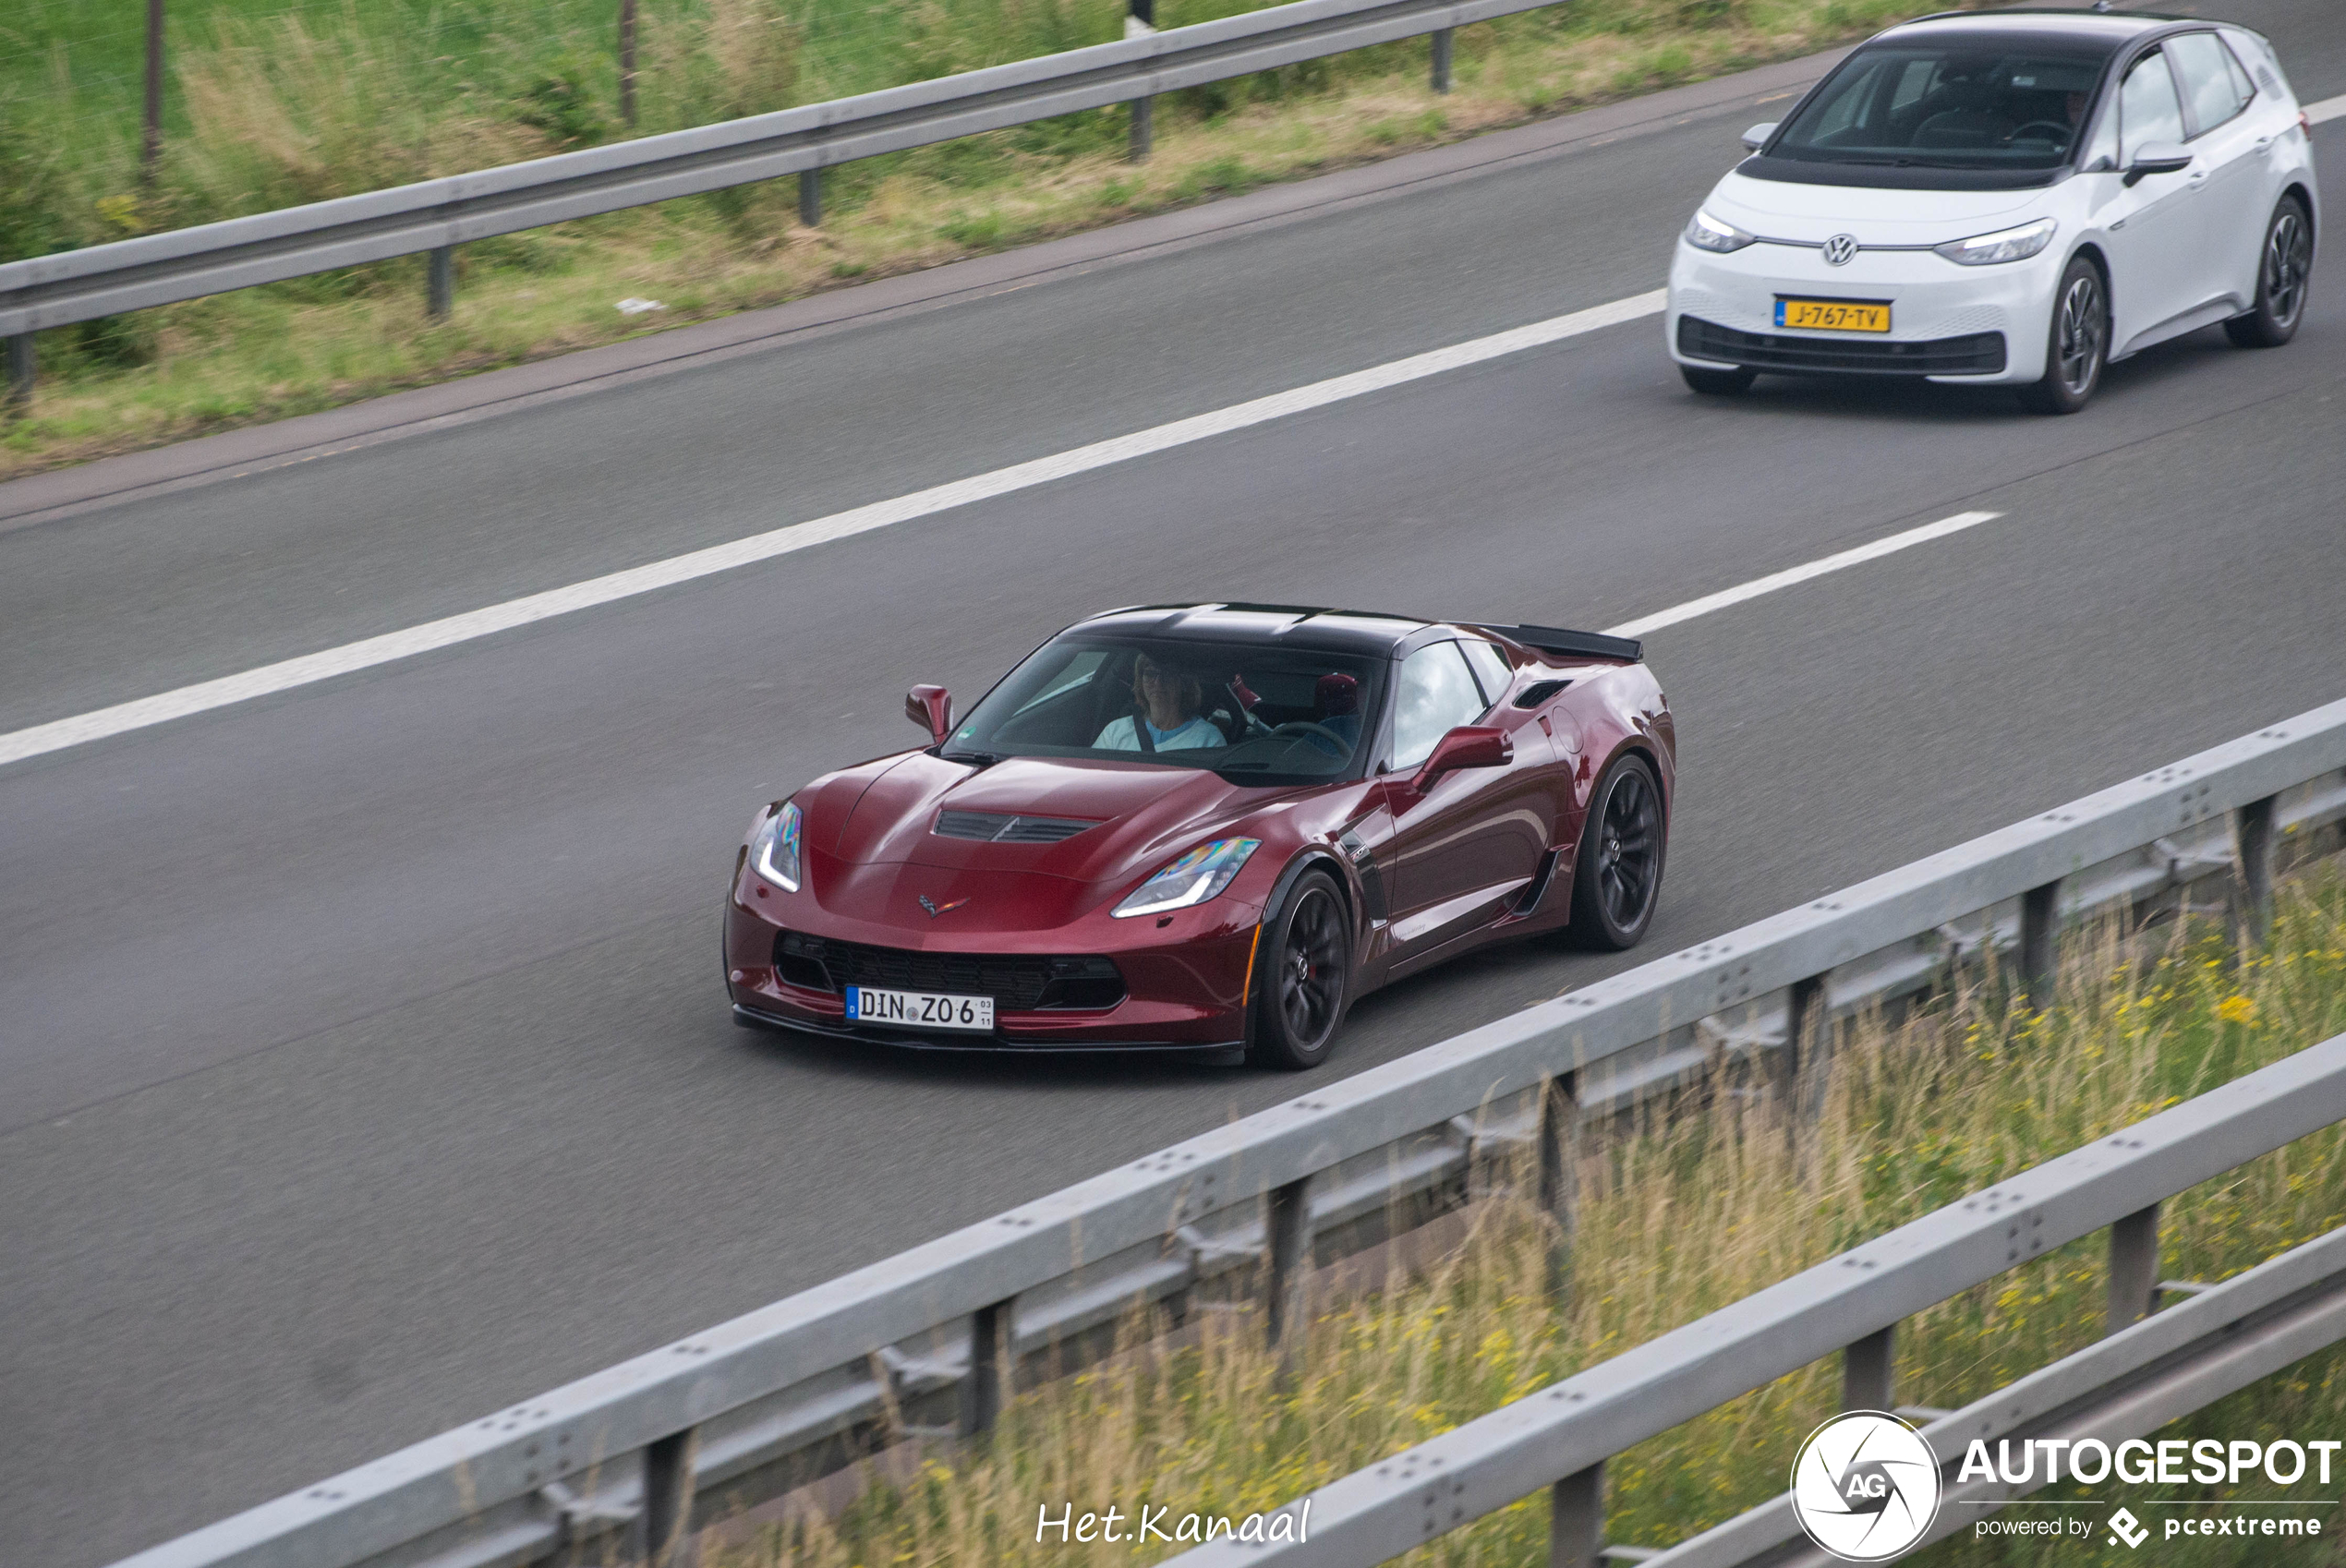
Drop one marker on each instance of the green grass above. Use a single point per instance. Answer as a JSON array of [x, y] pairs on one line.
[[1675, 1221], [272, 102]]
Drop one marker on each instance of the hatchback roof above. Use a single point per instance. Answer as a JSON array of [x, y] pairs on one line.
[[2107, 28]]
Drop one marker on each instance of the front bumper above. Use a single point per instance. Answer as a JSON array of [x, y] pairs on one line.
[[1973, 325], [1185, 982]]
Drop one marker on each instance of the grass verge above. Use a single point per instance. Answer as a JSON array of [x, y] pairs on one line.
[[1676, 1220], [272, 105]]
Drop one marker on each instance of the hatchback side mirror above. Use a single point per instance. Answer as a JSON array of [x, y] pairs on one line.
[[2157, 158], [1469, 745], [932, 709], [1757, 137]]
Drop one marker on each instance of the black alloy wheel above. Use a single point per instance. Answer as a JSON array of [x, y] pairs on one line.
[[1305, 967], [1719, 383], [2284, 268], [2079, 347], [1618, 875]]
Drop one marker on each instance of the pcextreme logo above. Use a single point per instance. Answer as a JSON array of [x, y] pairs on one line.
[[1865, 1487]]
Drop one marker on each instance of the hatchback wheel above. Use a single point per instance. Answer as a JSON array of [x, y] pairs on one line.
[[1299, 991], [2284, 267], [1617, 876], [2078, 349]]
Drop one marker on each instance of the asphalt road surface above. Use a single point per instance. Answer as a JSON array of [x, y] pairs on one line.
[[364, 1063]]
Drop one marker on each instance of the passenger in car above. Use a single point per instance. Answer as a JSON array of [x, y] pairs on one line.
[[1165, 700]]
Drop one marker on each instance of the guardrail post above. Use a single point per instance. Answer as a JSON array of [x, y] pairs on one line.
[[1807, 1051], [1144, 130], [23, 365], [1442, 58], [441, 289], [667, 1500], [981, 1394], [1865, 1368], [1288, 1224], [2039, 932], [1576, 1519], [810, 198], [2252, 838], [2134, 1268], [1559, 1176]]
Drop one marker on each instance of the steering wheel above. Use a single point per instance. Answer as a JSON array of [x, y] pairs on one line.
[[2060, 129], [1303, 730]]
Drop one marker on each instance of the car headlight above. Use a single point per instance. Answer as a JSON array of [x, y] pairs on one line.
[[775, 849], [2004, 245], [1706, 233], [1192, 879]]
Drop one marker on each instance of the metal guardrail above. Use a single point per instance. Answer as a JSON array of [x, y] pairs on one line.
[[433, 215], [2147, 1374], [929, 1340]]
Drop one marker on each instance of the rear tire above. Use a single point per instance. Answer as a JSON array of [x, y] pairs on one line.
[[2284, 271], [1719, 383], [1304, 975], [1616, 875], [2078, 343]]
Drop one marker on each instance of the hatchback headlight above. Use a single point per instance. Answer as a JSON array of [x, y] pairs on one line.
[[1706, 233], [775, 849], [1192, 879], [2004, 245]]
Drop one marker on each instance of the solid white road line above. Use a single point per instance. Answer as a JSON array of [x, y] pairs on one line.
[[165, 706], [1790, 576], [2327, 109]]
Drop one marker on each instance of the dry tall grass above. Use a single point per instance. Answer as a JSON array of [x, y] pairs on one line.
[[1677, 1218]]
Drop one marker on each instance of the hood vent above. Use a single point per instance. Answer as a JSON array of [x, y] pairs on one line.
[[993, 827]]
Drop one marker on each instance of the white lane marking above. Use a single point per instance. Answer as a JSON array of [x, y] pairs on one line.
[[2327, 109], [286, 674], [1790, 576]]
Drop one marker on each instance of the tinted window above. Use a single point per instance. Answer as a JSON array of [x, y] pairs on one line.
[[1437, 694], [1491, 667], [1253, 714], [1946, 105], [2147, 108], [2206, 71]]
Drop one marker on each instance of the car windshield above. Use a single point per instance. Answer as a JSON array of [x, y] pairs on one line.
[[1250, 713], [1947, 107]]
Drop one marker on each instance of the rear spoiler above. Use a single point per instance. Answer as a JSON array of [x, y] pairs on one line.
[[1575, 645]]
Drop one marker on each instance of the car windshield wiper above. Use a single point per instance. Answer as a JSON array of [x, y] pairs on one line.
[[975, 759]]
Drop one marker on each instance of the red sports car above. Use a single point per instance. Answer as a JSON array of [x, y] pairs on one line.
[[1209, 828]]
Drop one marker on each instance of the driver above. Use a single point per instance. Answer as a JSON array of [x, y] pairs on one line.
[[1165, 699]]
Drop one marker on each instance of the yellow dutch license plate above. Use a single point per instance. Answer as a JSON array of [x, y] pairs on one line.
[[1833, 315]]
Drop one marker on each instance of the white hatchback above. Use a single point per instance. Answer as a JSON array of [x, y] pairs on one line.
[[2006, 199]]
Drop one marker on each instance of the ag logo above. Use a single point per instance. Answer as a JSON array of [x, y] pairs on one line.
[[1865, 1487]]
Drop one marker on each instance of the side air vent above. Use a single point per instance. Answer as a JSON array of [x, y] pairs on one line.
[[1539, 691], [993, 827]]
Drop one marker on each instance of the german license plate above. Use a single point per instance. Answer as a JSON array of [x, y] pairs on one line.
[[1833, 315], [919, 1009]]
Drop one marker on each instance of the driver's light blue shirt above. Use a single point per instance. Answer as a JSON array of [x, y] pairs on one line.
[[1194, 735]]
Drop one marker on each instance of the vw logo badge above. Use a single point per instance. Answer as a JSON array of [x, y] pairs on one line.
[[1839, 249], [1865, 1487]]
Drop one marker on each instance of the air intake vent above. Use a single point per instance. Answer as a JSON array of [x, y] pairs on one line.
[[993, 827]]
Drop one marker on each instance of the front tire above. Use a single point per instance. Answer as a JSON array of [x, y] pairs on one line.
[[1306, 969], [2077, 349], [1617, 875], [1719, 383], [2284, 268]]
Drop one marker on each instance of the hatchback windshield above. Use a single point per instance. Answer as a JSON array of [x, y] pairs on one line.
[[1947, 107], [1251, 713]]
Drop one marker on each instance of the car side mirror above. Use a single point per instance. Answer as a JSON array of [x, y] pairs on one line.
[[932, 708], [2157, 158], [1469, 745], [1757, 137]]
